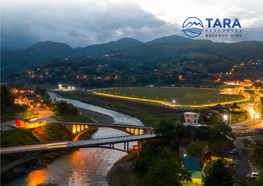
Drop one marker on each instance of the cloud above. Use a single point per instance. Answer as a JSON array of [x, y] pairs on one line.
[[77, 23], [85, 22]]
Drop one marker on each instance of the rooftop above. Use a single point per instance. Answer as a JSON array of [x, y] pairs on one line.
[[184, 142]]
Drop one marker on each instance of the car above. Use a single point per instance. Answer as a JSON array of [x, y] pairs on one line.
[[13, 126], [254, 175], [259, 130], [233, 151]]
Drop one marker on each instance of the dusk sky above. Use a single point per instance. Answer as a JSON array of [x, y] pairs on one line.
[[85, 22]]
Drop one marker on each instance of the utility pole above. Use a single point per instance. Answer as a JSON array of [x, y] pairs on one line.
[[230, 119]]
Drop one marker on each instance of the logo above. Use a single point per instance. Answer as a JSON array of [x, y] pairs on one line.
[[193, 27]]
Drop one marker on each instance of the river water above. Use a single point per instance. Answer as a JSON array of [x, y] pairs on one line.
[[87, 166]]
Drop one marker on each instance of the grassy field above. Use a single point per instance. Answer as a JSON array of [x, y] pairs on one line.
[[51, 132], [9, 113], [183, 96]]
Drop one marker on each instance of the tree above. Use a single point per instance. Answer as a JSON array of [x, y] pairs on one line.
[[216, 118], [7, 98], [197, 147], [260, 178], [167, 170], [224, 129], [146, 158], [38, 91], [165, 129], [219, 175], [67, 108], [256, 153], [201, 119]]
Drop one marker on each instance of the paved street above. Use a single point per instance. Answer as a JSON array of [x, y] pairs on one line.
[[244, 155], [248, 125], [243, 163]]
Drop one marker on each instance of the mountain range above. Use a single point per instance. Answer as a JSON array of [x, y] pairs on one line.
[[132, 63], [16, 61]]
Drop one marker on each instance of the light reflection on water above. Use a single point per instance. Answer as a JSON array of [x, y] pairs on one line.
[[83, 167], [87, 166]]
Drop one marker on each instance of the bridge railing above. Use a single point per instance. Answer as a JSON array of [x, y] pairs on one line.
[[99, 137], [82, 143], [112, 136]]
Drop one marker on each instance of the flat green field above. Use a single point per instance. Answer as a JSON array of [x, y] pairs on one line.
[[183, 96]]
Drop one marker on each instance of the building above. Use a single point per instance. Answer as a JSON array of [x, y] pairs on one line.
[[193, 167], [24, 97], [183, 144], [236, 90], [190, 163], [218, 107], [191, 118], [14, 90], [32, 122]]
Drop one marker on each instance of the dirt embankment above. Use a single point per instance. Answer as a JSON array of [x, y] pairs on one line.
[[120, 174], [96, 116]]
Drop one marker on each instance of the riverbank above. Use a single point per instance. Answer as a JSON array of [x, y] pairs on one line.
[[148, 114], [122, 172], [96, 116]]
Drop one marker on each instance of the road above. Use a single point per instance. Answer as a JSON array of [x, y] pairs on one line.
[[42, 114], [243, 164], [70, 144], [248, 125]]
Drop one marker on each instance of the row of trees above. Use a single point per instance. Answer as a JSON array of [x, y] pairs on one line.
[[65, 108], [8, 109]]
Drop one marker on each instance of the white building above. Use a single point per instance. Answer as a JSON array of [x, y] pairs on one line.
[[191, 118]]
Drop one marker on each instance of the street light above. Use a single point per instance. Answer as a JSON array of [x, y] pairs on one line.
[[174, 101], [225, 118]]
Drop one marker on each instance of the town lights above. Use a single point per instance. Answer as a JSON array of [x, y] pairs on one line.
[[174, 101]]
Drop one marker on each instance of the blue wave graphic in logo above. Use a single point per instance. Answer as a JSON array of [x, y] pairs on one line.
[[193, 27]]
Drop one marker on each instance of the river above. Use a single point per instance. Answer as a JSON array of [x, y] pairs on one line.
[[87, 166]]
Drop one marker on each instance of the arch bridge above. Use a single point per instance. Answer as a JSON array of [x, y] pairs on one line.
[[78, 127]]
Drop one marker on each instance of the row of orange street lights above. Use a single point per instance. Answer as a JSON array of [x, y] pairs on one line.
[[165, 98], [142, 96]]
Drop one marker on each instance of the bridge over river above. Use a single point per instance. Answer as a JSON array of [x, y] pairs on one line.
[[40, 149], [51, 147]]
